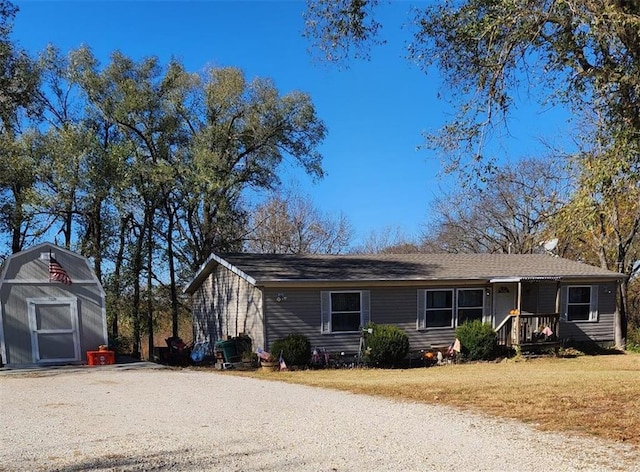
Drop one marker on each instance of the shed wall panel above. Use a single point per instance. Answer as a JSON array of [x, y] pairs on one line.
[[16, 316]]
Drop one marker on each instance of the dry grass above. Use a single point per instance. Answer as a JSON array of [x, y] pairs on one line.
[[595, 395]]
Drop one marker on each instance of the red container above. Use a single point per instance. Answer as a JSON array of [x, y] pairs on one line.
[[101, 357]]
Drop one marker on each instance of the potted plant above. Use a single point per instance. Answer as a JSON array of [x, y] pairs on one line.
[[269, 362], [249, 359]]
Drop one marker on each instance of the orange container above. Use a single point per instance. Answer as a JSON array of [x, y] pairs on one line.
[[101, 357]]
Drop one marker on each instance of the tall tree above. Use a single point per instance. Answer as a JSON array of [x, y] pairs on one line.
[[241, 132], [134, 96], [584, 54], [20, 213], [19, 80], [289, 223], [510, 214], [601, 223]]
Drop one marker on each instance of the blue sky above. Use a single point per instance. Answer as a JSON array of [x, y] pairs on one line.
[[375, 111]]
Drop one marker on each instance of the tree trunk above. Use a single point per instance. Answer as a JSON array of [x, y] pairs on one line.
[[620, 317], [137, 271], [150, 282], [17, 219], [172, 271], [124, 227]]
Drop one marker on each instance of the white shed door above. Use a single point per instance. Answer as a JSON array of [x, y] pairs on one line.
[[54, 329]]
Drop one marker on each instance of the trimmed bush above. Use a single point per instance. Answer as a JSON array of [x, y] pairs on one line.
[[478, 340], [386, 345], [295, 349]]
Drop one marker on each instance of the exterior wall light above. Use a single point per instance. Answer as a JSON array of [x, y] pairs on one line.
[[281, 297]]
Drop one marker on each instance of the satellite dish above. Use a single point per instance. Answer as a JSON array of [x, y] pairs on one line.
[[551, 244]]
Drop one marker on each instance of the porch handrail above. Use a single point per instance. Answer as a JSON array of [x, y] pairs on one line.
[[528, 327], [523, 328], [504, 331]]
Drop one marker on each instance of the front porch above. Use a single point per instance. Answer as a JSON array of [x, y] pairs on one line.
[[530, 331], [527, 313]]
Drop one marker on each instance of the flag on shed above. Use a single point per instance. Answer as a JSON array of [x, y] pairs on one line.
[[57, 272]]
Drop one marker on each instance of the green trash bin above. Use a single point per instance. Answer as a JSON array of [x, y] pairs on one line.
[[228, 349]]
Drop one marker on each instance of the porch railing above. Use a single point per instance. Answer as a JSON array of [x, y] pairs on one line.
[[504, 332], [529, 329]]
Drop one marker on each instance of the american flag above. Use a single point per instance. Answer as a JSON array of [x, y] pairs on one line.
[[283, 365], [57, 273]]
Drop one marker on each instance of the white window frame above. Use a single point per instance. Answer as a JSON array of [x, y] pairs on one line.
[[593, 304], [326, 314], [482, 306], [421, 324], [72, 303], [423, 311]]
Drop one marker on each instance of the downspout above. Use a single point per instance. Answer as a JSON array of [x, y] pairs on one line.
[[264, 318], [519, 301], [620, 319], [558, 292], [519, 311]]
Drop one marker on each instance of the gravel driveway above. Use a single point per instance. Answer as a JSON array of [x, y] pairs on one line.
[[135, 417]]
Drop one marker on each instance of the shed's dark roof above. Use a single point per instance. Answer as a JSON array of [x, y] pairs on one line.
[[269, 268]]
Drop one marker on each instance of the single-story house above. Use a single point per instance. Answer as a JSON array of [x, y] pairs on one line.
[[329, 298], [52, 308]]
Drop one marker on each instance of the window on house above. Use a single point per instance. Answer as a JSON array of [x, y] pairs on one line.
[[581, 303], [344, 311], [448, 308], [439, 308], [470, 305]]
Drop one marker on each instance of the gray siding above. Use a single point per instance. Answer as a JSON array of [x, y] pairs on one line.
[[300, 313], [26, 277], [226, 305], [539, 297], [16, 318], [27, 266], [602, 330]]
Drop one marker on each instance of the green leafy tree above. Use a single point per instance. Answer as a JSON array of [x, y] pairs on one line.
[[135, 97], [20, 214], [240, 133], [19, 80], [187, 146]]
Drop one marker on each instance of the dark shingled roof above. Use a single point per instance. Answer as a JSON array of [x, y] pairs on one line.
[[269, 268]]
